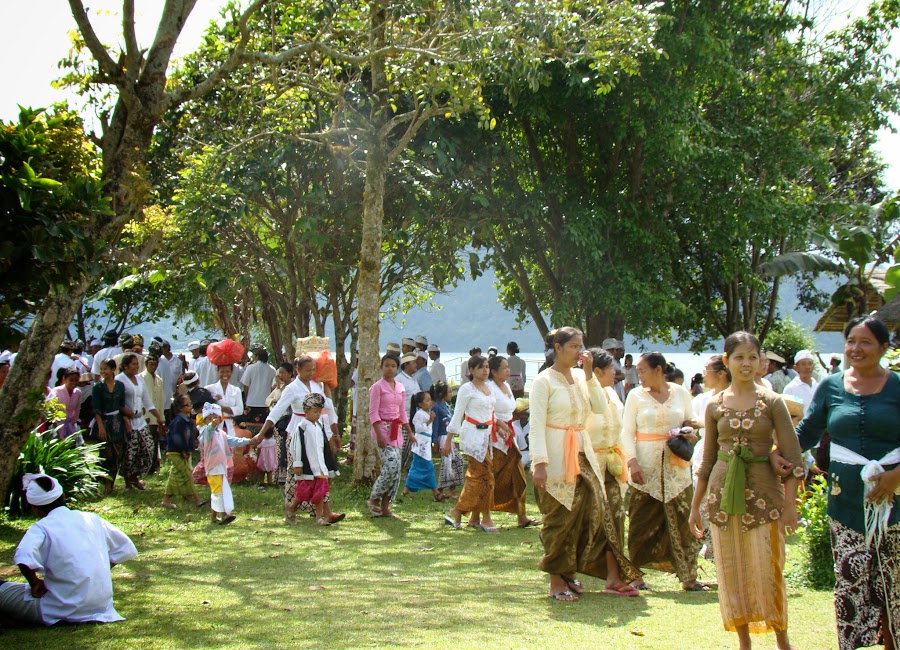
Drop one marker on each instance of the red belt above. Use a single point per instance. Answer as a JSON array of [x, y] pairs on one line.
[[302, 415], [490, 423]]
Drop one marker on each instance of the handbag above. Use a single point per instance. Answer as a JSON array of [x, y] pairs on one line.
[[681, 446]]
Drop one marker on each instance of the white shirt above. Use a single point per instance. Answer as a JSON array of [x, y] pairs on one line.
[[207, 372], [103, 355], [412, 387], [504, 405], [237, 372], [438, 372], [292, 398], [522, 440], [230, 397], [169, 370], [258, 378], [61, 360], [73, 550], [480, 407], [422, 430], [516, 366], [137, 398], [801, 391], [309, 436]]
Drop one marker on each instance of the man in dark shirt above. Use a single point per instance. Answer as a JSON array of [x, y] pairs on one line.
[[179, 445]]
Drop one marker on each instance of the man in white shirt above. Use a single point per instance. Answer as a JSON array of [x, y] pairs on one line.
[[194, 348], [407, 345], [421, 343], [257, 382], [63, 359], [75, 551], [437, 370], [170, 369], [803, 386], [207, 372], [109, 350]]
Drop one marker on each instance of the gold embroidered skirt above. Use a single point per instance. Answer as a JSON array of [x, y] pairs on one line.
[[659, 536], [478, 490], [750, 570], [509, 481]]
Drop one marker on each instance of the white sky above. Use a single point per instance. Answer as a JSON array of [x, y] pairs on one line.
[[34, 36]]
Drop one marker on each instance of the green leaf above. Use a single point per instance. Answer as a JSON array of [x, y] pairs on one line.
[[797, 262]]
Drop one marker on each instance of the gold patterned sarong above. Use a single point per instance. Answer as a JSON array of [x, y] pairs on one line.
[[659, 536], [509, 480], [478, 490]]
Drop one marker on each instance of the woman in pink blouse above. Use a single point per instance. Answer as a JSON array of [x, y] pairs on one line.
[[388, 415], [69, 395]]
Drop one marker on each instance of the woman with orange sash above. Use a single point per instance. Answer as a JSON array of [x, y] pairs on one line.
[[473, 419], [565, 469], [662, 489], [612, 458]]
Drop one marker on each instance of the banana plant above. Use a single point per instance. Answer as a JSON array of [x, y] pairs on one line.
[[854, 252]]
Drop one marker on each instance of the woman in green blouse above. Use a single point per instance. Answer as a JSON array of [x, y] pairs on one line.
[[860, 409], [108, 398]]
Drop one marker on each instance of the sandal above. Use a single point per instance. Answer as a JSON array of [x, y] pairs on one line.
[[697, 586], [530, 523], [622, 590], [336, 517], [374, 509], [574, 584], [488, 529], [564, 596], [170, 506], [450, 521], [227, 520], [323, 522]]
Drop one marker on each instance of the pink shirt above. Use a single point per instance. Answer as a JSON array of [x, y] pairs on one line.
[[386, 404], [73, 406]]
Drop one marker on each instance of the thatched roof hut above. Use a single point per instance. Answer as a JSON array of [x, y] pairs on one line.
[[835, 317], [890, 312]]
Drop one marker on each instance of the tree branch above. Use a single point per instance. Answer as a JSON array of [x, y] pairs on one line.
[[107, 66]]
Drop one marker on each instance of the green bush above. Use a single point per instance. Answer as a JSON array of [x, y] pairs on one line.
[[815, 536], [77, 469], [788, 337]]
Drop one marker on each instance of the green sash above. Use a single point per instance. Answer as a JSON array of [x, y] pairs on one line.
[[733, 502]]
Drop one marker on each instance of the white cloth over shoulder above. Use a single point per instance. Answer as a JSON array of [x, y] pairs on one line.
[[73, 550], [877, 514]]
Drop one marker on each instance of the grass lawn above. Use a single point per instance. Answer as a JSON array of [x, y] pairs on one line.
[[370, 583]]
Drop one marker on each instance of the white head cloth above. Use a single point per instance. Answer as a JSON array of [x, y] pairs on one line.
[[211, 409], [35, 494]]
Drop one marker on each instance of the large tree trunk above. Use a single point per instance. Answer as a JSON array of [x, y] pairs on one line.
[[23, 390], [369, 301]]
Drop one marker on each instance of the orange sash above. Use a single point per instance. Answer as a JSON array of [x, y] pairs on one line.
[[674, 460], [510, 441], [570, 448]]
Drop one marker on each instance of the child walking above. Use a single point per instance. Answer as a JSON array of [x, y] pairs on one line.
[[267, 458], [179, 445], [215, 449], [421, 472], [313, 464], [453, 467]]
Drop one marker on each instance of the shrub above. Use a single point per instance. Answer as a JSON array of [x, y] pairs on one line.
[[788, 337], [815, 536], [77, 469]]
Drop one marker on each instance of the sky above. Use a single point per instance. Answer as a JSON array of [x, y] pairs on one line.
[[34, 36]]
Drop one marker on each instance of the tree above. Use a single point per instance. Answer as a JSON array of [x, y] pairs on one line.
[[138, 80], [388, 67]]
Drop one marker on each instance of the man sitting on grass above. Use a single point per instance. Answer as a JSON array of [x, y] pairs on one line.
[[75, 551]]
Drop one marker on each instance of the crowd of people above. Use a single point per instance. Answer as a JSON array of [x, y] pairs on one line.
[[607, 441]]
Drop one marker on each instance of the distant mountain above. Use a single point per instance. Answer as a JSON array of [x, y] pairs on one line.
[[470, 315]]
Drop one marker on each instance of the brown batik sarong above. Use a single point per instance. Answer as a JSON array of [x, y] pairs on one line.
[[478, 491], [659, 536], [509, 481], [577, 540]]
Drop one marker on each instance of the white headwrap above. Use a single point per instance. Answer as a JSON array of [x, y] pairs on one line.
[[35, 494], [211, 409]]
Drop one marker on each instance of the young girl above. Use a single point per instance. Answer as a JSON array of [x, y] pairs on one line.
[[267, 457], [421, 473], [179, 445], [748, 507], [215, 449], [452, 466], [313, 463]]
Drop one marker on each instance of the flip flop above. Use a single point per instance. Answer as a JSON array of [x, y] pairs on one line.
[[450, 521], [336, 518], [698, 586], [564, 596], [530, 523], [170, 506], [622, 590], [203, 503], [227, 520], [641, 587], [375, 510], [574, 584], [489, 529]]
